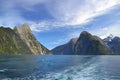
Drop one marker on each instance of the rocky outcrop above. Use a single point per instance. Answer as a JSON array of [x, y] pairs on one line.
[[26, 35], [88, 44], [11, 43], [113, 44], [20, 41]]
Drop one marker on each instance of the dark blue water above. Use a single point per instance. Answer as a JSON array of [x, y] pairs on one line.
[[51, 67]]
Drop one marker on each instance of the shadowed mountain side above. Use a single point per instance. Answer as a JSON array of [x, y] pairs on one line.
[[113, 44], [86, 44], [66, 49]]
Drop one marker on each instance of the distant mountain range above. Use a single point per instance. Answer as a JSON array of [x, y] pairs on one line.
[[20, 40], [88, 44]]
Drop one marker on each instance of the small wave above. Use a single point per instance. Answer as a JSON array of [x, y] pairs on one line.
[[5, 70], [90, 70], [86, 71]]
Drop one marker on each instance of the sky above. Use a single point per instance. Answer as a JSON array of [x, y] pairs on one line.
[[55, 22]]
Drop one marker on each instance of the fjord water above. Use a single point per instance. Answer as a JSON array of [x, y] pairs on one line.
[[59, 67]]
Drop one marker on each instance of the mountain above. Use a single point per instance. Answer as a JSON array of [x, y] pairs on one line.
[[108, 39], [10, 42], [86, 44], [113, 44], [66, 48], [20, 41]]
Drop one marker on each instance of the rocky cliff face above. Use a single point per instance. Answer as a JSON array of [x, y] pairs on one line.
[[66, 48], [20, 41], [88, 44], [113, 44], [10, 42], [26, 35]]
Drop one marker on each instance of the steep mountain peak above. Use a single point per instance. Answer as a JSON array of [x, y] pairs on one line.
[[85, 33], [26, 26], [89, 44], [74, 40], [109, 38], [116, 38], [26, 35], [10, 42], [114, 45], [22, 29]]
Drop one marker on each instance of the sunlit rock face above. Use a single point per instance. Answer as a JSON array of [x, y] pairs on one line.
[[20, 41], [26, 35], [11, 43]]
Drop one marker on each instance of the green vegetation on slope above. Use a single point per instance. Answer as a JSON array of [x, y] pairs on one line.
[[88, 44], [10, 42]]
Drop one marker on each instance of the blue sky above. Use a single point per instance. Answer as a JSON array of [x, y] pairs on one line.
[[55, 22]]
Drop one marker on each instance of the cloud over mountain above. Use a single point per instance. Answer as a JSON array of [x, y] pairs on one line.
[[71, 15]]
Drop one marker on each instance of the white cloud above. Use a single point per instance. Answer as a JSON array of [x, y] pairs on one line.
[[66, 12], [47, 25], [106, 31], [42, 26], [102, 32], [76, 12], [59, 42], [11, 15], [11, 19]]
